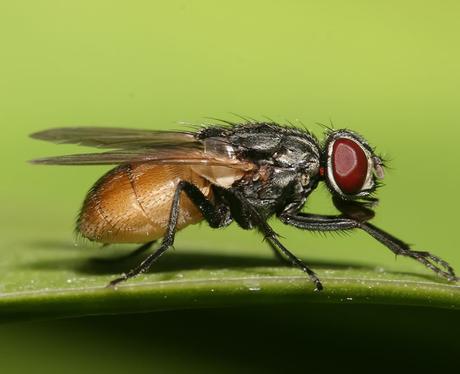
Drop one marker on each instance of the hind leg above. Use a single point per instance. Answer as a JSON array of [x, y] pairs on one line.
[[215, 215]]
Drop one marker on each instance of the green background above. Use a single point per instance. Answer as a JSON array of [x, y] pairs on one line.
[[389, 70]]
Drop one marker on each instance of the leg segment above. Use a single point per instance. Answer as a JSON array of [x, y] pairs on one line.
[[217, 216], [143, 248], [279, 256], [296, 261], [253, 218], [398, 247], [316, 222]]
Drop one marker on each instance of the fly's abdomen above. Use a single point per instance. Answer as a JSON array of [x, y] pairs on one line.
[[132, 203]]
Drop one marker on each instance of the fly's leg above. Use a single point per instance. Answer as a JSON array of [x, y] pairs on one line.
[[279, 256], [354, 219], [251, 216], [295, 261], [143, 248], [217, 216], [361, 213], [398, 247]]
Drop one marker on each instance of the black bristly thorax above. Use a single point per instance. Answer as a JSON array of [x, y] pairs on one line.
[[288, 161]]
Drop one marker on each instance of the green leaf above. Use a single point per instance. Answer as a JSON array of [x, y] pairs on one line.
[[55, 280]]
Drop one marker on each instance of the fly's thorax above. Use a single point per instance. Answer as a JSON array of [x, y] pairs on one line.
[[270, 188], [297, 152], [299, 159]]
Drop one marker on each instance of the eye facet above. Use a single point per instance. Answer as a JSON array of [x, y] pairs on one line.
[[349, 165]]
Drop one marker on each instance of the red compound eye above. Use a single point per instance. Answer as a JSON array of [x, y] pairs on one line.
[[349, 165]]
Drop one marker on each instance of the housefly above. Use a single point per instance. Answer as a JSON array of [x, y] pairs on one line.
[[246, 172]]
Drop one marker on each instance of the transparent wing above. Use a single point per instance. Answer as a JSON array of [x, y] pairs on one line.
[[161, 147], [166, 156], [174, 155], [117, 138]]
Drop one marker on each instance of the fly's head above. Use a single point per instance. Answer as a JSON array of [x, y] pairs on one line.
[[350, 167]]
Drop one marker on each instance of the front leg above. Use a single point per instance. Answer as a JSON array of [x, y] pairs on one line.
[[356, 216]]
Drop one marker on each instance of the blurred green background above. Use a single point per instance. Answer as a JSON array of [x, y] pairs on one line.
[[389, 70]]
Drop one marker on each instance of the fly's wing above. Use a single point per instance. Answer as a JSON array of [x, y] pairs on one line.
[[166, 156], [141, 146], [115, 138]]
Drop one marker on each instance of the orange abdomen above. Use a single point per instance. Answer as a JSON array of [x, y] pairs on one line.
[[131, 203]]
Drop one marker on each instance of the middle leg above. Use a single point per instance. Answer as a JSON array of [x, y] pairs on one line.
[[253, 218]]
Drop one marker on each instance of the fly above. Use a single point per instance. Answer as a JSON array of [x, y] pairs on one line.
[[243, 172]]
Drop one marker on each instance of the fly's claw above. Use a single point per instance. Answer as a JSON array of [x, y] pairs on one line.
[[436, 264], [116, 281]]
